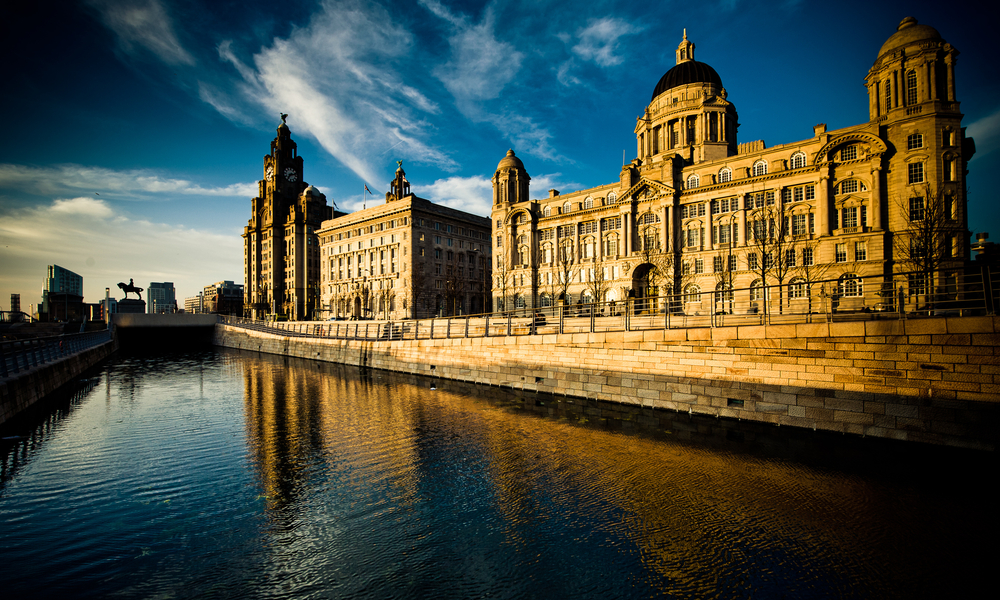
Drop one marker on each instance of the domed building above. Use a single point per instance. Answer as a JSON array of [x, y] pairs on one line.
[[868, 217]]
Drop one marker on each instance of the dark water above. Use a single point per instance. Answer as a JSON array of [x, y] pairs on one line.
[[218, 474]]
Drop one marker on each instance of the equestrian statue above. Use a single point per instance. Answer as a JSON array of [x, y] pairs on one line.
[[130, 287]]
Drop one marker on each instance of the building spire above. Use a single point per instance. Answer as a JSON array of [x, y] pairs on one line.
[[685, 50]]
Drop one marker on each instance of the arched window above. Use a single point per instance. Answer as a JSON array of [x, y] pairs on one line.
[[545, 300], [522, 254], [519, 301], [798, 160], [588, 247], [566, 207], [760, 168], [911, 88], [547, 211], [756, 290], [588, 202], [692, 182], [648, 219], [692, 293], [724, 292], [612, 198], [725, 175], [849, 285], [797, 288]]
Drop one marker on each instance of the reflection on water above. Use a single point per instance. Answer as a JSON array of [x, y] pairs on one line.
[[229, 474]]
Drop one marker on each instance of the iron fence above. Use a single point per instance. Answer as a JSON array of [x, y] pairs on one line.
[[21, 355], [905, 296]]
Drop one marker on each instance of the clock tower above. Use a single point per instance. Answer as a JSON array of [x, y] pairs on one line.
[[281, 258]]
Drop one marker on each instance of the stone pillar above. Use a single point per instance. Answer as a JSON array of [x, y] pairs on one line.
[[876, 203], [823, 204], [932, 79], [743, 224], [949, 62]]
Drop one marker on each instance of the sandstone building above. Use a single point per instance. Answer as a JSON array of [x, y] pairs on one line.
[[281, 249], [407, 258], [865, 213]]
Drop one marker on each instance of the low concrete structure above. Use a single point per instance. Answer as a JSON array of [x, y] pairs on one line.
[[929, 380]]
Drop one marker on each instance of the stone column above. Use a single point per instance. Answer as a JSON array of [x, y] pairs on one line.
[[949, 61], [876, 203], [823, 204], [743, 224], [932, 77]]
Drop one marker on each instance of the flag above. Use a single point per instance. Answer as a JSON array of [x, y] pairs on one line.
[[368, 190]]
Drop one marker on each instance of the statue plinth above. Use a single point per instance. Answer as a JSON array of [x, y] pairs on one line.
[[131, 306]]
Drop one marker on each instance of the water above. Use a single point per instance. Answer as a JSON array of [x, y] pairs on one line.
[[222, 474]]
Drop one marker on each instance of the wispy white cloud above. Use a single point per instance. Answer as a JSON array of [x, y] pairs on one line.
[[342, 80], [480, 65], [986, 131], [61, 180], [599, 40], [146, 25]]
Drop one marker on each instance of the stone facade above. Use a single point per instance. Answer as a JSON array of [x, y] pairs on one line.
[[698, 214], [281, 248], [407, 258]]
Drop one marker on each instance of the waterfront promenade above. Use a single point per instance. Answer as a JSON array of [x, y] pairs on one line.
[[929, 379]]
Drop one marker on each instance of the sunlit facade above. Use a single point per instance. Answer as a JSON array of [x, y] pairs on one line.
[[699, 215]]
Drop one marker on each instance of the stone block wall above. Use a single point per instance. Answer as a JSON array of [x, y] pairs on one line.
[[927, 380], [24, 389]]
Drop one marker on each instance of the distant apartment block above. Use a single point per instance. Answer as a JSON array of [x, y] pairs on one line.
[[161, 298], [62, 295]]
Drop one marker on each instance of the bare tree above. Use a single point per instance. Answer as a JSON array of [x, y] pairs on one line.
[[810, 270], [453, 288], [566, 269], [926, 246], [598, 283], [770, 239], [504, 274]]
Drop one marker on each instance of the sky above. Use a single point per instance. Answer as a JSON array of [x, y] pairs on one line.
[[136, 129]]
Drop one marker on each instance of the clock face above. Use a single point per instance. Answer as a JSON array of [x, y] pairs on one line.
[[290, 174], [269, 172]]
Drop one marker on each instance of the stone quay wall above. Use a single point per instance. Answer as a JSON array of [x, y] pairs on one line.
[[24, 389], [928, 380]]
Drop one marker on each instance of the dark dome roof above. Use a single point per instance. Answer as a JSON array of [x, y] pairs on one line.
[[689, 71]]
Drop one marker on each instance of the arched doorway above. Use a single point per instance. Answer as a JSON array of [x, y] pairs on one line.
[[645, 285], [356, 313]]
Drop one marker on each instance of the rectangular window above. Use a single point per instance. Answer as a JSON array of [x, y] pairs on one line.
[[888, 95], [916, 209], [860, 251], [849, 153], [914, 141], [699, 265], [798, 225], [717, 264], [851, 216], [790, 258], [752, 261], [915, 172], [807, 257], [841, 253]]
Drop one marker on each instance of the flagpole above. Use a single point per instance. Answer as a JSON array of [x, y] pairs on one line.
[[364, 202]]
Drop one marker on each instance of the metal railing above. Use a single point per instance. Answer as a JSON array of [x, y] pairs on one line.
[[21, 355], [824, 301]]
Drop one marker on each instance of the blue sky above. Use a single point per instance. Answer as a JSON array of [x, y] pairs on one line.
[[135, 130]]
